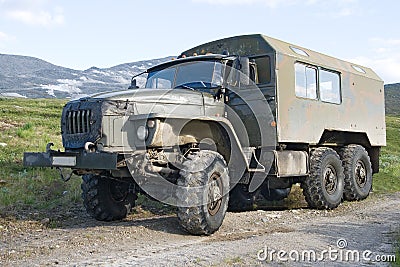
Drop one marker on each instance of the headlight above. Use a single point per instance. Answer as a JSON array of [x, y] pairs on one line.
[[142, 132]]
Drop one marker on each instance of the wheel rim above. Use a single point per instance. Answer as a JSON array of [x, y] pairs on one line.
[[118, 191], [214, 194], [330, 180], [360, 173]]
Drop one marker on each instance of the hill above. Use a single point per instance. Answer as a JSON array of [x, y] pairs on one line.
[[29, 77], [392, 99]]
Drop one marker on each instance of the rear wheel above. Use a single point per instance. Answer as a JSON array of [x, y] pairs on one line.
[[203, 192], [323, 188], [357, 172], [107, 199]]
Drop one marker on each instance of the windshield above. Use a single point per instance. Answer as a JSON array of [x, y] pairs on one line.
[[191, 75]]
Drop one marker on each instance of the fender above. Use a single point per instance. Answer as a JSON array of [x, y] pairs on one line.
[[215, 131]]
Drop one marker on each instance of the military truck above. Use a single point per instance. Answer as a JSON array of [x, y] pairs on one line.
[[223, 124]]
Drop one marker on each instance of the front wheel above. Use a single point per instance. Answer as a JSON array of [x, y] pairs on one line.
[[203, 192], [107, 199]]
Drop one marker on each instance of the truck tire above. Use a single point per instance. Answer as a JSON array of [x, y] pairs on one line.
[[106, 199], [203, 192], [323, 188], [357, 172]]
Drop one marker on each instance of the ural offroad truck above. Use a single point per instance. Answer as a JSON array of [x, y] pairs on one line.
[[226, 122]]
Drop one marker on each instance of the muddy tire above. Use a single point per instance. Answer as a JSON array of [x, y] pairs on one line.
[[323, 188], [203, 192], [106, 199], [357, 172]]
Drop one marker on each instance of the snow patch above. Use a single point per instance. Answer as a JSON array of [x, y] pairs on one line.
[[90, 80], [100, 72], [70, 86], [12, 95], [69, 82]]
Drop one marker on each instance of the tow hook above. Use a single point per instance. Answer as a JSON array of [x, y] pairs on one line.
[[64, 177], [48, 147]]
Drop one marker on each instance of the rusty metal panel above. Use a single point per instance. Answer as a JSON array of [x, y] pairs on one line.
[[291, 163]]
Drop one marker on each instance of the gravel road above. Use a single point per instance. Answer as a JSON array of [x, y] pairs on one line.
[[277, 237]]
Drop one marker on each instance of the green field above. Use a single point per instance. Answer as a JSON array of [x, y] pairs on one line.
[[29, 124], [388, 179]]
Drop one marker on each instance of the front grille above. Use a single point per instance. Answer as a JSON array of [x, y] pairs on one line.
[[78, 121], [81, 123]]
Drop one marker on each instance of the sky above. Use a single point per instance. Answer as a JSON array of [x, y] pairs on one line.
[[105, 33]]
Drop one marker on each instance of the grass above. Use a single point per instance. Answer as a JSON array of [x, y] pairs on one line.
[[29, 124], [388, 179]]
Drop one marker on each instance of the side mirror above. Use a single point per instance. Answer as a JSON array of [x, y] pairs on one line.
[[133, 84]]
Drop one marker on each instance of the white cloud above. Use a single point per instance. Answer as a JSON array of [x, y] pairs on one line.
[[41, 18], [387, 68], [344, 12], [268, 3], [384, 58], [336, 9], [6, 40], [385, 42], [4, 37], [37, 13]]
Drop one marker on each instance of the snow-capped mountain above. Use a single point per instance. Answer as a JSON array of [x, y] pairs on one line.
[[22, 76]]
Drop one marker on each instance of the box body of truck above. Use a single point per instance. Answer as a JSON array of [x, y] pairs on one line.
[[343, 104]]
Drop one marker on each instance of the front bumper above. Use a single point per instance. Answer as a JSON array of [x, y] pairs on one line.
[[73, 160]]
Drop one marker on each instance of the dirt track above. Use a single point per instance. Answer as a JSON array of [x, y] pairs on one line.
[[159, 241]]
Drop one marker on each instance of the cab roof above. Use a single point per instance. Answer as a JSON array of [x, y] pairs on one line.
[[208, 57]]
